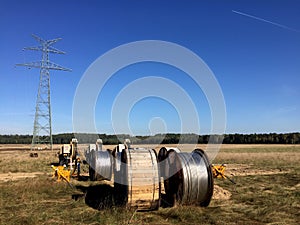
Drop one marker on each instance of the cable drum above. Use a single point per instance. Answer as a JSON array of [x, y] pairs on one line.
[[117, 170], [190, 180], [162, 155], [137, 184], [171, 148], [101, 165]]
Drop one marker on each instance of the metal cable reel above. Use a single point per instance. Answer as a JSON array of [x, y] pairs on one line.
[[165, 172], [162, 155], [189, 179], [100, 163], [118, 178], [103, 165], [117, 162]]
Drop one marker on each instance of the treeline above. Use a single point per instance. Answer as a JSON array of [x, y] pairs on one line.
[[271, 138]]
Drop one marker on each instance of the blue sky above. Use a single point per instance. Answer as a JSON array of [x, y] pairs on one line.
[[256, 62]]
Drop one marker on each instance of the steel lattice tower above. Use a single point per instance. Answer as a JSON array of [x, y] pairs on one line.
[[42, 128]]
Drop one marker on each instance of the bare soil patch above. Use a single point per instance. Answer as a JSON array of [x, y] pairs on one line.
[[249, 170], [221, 193], [4, 177]]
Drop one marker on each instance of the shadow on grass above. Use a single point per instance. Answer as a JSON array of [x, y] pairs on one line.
[[97, 196], [83, 178], [103, 196], [166, 201]]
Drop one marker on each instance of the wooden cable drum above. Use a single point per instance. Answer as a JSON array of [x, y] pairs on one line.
[[137, 184], [190, 180], [101, 165]]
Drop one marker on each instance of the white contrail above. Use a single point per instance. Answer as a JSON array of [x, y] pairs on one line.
[[267, 21]]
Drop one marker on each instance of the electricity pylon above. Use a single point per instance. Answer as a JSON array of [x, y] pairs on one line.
[[42, 128]]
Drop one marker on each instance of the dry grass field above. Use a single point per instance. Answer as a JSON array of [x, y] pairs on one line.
[[267, 191]]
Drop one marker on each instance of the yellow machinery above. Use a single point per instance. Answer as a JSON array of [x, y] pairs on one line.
[[219, 172], [62, 173], [69, 161]]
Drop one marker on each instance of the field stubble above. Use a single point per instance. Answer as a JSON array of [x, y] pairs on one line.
[[267, 191]]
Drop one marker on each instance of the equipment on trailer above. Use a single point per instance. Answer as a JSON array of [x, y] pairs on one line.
[[69, 161], [68, 153]]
